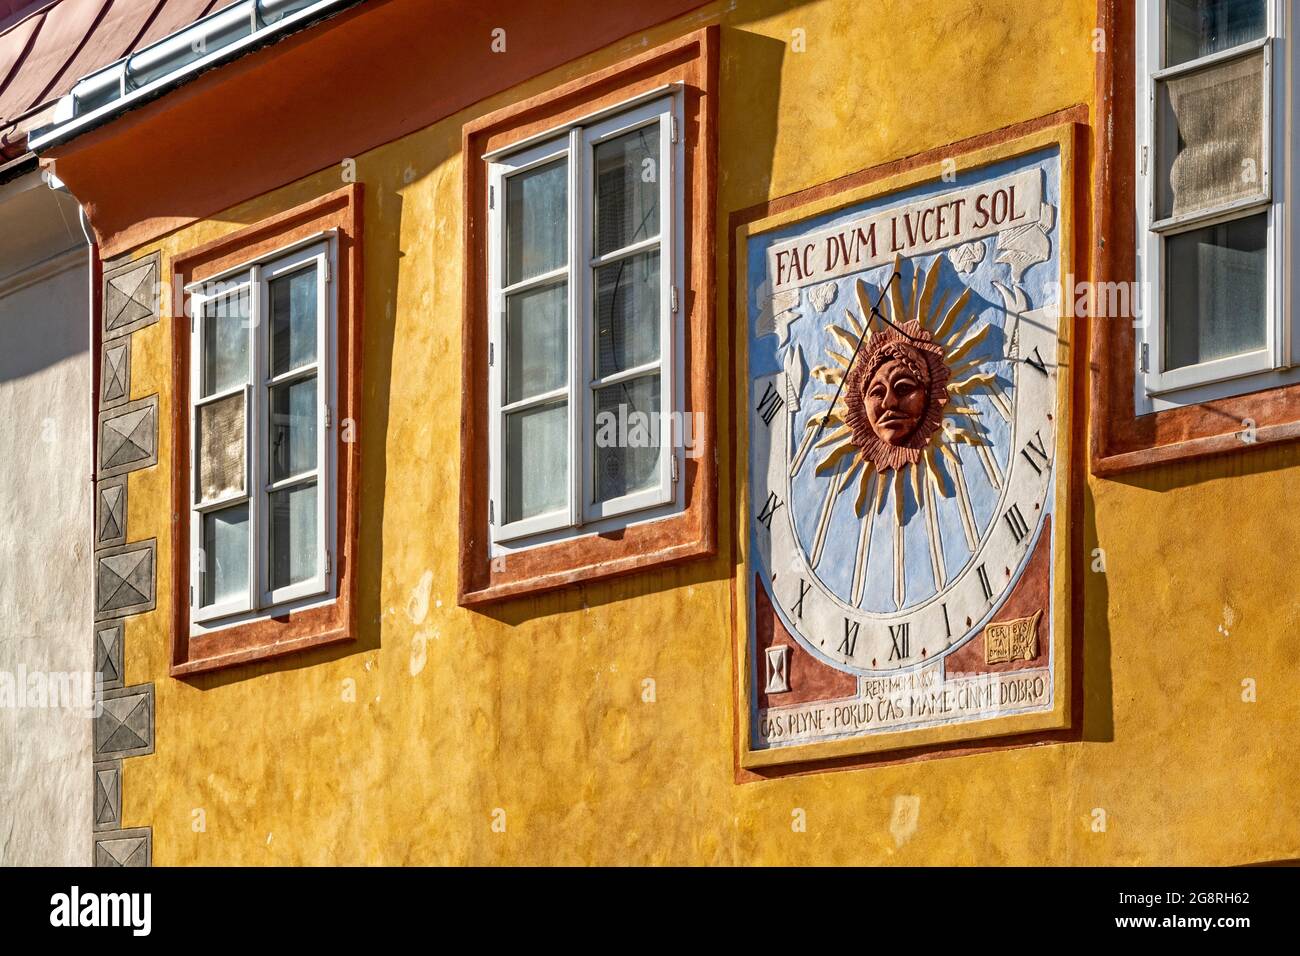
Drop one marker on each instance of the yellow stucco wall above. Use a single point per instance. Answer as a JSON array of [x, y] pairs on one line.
[[537, 708]]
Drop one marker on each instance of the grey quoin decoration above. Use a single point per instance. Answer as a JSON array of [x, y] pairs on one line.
[[131, 296], [124, 847], [128, 437], [115, 373], [124, 579], [108, 653], [108, 795], [124, 725], [126, 572], [110, 512]]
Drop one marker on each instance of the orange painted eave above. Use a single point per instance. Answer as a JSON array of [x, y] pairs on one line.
[[370, 75]]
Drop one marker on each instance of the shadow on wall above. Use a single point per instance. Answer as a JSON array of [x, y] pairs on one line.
[[42, 321]]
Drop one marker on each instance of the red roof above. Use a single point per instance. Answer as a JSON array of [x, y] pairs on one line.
[[45, 48]]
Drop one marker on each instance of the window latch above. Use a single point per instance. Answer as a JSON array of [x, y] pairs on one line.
[[1145, 362]]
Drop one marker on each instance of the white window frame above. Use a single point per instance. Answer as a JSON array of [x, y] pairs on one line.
[[1157, 389], [576, 143], [261, 601]]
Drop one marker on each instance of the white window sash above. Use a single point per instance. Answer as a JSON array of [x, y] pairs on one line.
[[499, 172], [576, 144], [259, 599], [199, 509], [1156, 387]]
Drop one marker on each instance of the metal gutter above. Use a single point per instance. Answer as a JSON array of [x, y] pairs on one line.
[[155, 70]]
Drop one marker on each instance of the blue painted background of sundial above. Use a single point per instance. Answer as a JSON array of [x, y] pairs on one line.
[[808, 489]]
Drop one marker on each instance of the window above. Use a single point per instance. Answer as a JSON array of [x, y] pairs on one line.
[[588, 441], [1210, 253], [584, 273], [261, 390], [266, 437]]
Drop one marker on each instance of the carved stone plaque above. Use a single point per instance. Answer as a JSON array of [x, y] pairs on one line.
[[907, 395]]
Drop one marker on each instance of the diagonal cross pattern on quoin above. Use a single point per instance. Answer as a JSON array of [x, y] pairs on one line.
[[108, 653], [124, 724], [107, 795], [133, 851], [112, 516], [128, 438], [116, 368], [128, 296], [125, 580]]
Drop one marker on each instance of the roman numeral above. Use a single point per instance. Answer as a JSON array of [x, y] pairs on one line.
[[850, 638], [1036, 362], [984, 582], [1035, 451], [770, 404], [769, 509], [1016, 522], [804, 588], [898, 637]]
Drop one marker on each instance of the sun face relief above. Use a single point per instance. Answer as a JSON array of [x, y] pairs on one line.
[[902, 441]]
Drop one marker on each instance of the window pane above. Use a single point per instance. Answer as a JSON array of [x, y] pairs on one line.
[[537, 341], [225, 342], [221, 448], [628, 426], [537, 221], [537, 461], [1216, 288], [293, 428], [627, 189], [293, 320], [1197, 28], [627, 313], [225, 554], [1210, 141], [293, 534]]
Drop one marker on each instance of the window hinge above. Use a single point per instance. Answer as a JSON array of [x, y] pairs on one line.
[[191, 595], [327, 561], [326, 270], [673, 459], [1146, 358], [492, 512], [673, 297], [492, 197], [672, 129], [492, 354], [328, 417], [1144, 160]]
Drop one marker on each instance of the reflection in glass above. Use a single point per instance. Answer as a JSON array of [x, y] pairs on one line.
[[627, 429], [225, 553], [537, 221], [537, 341], [293, 320], [627, 188], [537, 459], [293, 534], [1216, 282]]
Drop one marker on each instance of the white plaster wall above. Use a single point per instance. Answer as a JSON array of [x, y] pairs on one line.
[[45, 529]]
